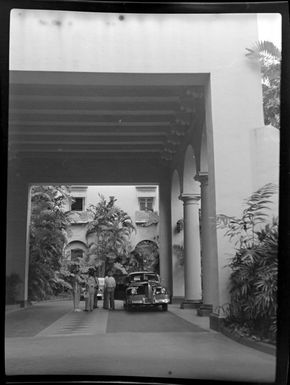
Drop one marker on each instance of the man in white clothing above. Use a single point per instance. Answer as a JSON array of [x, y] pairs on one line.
[[110, 285]]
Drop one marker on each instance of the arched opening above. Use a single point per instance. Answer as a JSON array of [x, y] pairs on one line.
[[203, 153], [190, 186], [145, 257], [75, 250], [177, 238]]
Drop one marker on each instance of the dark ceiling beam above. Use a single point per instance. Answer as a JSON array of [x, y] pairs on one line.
[[112, 80], [98, 142], [78, 149], [129, 134], [94, 112], [93, 99]]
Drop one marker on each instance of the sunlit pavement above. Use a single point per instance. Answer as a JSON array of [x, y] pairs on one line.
[[175, 344]]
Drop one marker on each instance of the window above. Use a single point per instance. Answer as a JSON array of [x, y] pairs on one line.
[[146, 204], [76, 254], [77, 204]]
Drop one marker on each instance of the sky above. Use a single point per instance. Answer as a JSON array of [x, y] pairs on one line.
[[269, 27]]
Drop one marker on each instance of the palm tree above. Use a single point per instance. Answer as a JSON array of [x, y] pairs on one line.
[[269, 58], [109, 235]]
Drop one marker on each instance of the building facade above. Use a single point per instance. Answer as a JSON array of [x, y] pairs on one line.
[[141, 203], [167, 100]]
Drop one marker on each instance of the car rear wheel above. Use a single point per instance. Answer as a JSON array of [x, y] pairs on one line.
[[164, 307]]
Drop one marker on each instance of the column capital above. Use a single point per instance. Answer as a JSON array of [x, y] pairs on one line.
[[201, 177], [189, 198]]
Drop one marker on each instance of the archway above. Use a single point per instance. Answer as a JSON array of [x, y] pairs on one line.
[[146, 256], [75, 250], [177, 237]]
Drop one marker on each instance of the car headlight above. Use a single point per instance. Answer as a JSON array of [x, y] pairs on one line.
[[163, 290]]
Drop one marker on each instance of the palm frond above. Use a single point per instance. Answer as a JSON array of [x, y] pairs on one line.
[[264, 48]]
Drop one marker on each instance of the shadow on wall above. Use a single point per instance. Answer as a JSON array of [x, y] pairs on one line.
[[13, 283]]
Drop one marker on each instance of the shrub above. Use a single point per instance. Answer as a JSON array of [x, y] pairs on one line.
[[253, 280]]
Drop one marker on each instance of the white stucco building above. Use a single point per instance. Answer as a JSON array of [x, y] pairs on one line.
[[141, 203], [167, 100]]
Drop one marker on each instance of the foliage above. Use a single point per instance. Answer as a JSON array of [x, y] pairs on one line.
[[179, 252], [71, 272], [145, 256], [253, 216], [11, 290], [269, 57], [253, 280], [179, 225], [110, 230], [47, 238]]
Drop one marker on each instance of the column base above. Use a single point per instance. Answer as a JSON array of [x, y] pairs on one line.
[[177, 300], [190, 304], [24, 303], [204, 310], [216, 322]]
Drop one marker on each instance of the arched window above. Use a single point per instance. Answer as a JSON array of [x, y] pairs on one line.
[[76, 254]]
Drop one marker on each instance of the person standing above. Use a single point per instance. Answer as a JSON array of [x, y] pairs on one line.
[[91, 288], [76, 292], [110, 285], [96, 293], [105, 295]]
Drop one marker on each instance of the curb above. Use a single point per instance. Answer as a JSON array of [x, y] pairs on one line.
[[261, 346], [12, 308]]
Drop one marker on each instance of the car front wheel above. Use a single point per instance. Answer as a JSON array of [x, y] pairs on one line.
[[164, 307]]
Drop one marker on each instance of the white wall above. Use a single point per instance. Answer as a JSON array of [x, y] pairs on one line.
[[100, 42], [127, 200]]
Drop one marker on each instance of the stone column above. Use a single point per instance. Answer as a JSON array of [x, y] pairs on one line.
[[207, 263], [165, 256], [192, 262]]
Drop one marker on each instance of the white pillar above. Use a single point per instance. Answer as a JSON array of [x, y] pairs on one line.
[[192, 263], [209, 260]]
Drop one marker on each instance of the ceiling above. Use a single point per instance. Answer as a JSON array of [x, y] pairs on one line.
[[101, 115]]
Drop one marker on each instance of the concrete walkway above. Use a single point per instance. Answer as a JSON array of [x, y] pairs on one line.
[[80, 344]]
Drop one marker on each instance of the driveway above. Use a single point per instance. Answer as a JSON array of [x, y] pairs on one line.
[[49, 338]]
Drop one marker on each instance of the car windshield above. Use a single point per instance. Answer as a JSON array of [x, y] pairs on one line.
[[143, 277]]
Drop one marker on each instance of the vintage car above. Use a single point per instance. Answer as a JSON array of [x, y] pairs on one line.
[[144, 289]]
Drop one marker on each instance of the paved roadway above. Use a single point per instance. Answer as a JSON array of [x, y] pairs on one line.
[[50, 338]]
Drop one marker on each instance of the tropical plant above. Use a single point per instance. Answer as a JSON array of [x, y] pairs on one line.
[[71, 272], [48, 225], [109, 236], [245, 229], [253, 280], [145, 256], [269, 57]]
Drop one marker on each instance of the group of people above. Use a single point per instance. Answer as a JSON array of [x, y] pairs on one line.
[[92, 286]]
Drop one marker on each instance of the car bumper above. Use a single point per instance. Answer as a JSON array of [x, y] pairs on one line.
[[147, 302]]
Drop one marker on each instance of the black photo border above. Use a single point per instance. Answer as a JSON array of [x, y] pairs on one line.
[[283, 319]]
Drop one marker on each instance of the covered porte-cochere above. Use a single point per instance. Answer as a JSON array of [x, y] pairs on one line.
[[176, 118]]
